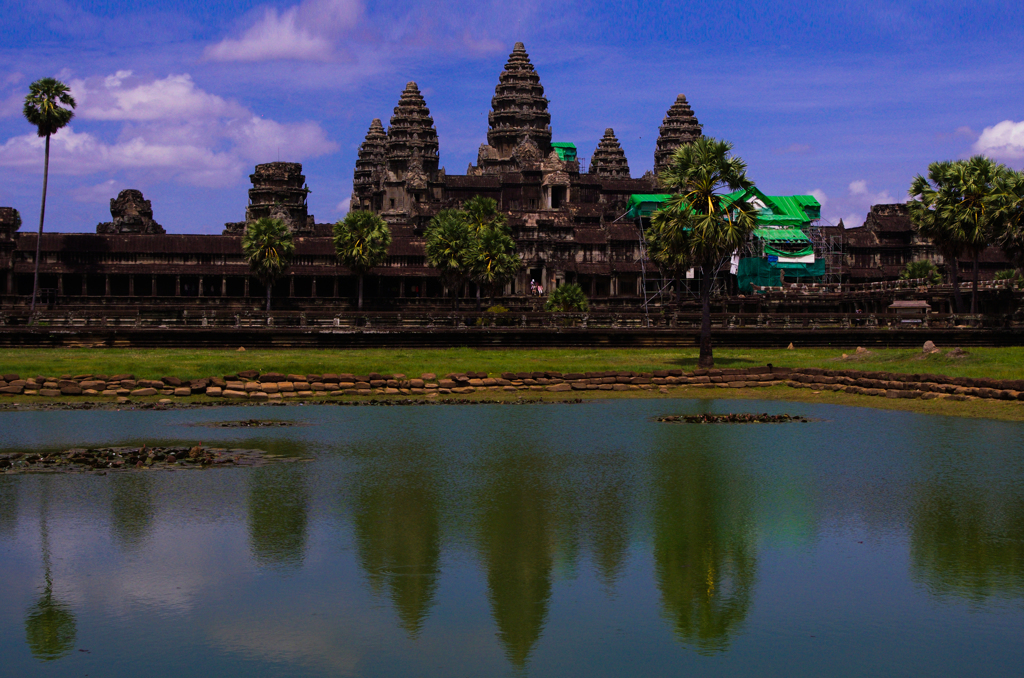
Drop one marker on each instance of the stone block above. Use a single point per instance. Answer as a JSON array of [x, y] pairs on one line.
[[183, 391], [70, 390], [272, 378], [49, 392], [171, 381], [253, 386], [259, 396], [214, 391], [559, 387], [446, 383], [148, 391], [390, 390], [269, 387]]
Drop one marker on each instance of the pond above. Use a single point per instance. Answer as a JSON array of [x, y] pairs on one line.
[[547, 540]]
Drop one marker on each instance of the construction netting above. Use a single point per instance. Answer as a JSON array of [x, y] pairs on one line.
[[767, 271]]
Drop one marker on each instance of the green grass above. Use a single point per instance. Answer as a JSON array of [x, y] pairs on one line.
[[997, 363]]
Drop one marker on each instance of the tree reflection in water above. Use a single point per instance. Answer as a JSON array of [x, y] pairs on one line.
[[278, 509], [398, 536], [50, 627], [968, 542], [131, 508], [8, 507], [517, 543], [609, 502], [704, 552]]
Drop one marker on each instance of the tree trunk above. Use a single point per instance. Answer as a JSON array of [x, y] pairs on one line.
[[706, 358], [478, 306], [360, 303], [954, 277], [270, 286], [679, 293], [974, 284], [39, 237]]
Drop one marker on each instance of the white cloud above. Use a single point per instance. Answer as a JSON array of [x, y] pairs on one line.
[[820, 196], [100, 193], [307, 32], [171, 128], [855, 204], [1004, 141], [344, 206]]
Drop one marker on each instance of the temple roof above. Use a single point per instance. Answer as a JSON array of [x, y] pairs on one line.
[[609, 159], [679, 127], [519, 108], [371, 153]]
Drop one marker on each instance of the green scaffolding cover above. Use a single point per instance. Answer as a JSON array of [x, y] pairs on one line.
[[803, 252], [761, 271]]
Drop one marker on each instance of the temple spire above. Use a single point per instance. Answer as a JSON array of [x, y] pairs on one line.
[[519, 108], [369, 165], [609, 160], [412, 139], [679, 127]]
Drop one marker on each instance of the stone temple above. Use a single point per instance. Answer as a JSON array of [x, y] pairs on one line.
[[569, 224]]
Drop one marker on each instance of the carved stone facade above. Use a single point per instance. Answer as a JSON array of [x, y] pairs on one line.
[[131, 213], [278, 191]]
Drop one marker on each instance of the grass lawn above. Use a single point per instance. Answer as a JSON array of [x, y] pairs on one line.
[[997, 363]]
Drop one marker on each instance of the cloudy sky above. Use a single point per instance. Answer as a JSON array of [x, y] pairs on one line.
[[845, 100]]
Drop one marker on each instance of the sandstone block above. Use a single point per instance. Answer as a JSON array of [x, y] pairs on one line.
[[139, 392], [253, 386], [428, 376], [269, 387], [49, 392], [559, 387], [182, 391], [70, 390], [214, 391]]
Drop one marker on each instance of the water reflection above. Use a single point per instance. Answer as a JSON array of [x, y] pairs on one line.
[[278, 515], [517, 543], [398, 536], [131, 508], [8, 507], [704, 551], [610, 502], [50, 626], [968, 541]]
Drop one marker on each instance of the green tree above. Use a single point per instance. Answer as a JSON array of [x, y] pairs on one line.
[[709, 224], [496, 262], [959, 206], [361, 241], [49, 106], [268, 246], [668, 248], [451, 249], [568, 298], [1010, 232], [921, 269]]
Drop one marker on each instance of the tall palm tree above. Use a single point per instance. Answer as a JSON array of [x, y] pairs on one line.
[[49, 106], [495, 261], [268, 247], [926, 195], [486, 222], [451, 249], [1010, 232], [668, 248], [709, 224], [361, 241], [964, 204]]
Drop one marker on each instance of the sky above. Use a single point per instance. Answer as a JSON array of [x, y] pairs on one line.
[[843, 100]]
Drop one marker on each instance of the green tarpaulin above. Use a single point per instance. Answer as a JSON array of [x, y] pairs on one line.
[[781, 235], [643, 204], [566, 151], [766, 273], [773, 252]]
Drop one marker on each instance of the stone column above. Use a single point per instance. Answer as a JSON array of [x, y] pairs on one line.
[[223, 286], [291, 286], [200, 285], [313, 288], [335, 287], [60, 284], [106, 285], [245, 293], [401, 287], [152, 282], [177, 285], [131, 284]]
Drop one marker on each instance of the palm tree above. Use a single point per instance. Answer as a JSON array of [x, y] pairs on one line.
[[1010, 233], [709, 225], [568, 298], [959, 208], [451, 249], [49, 106], [361, 241], [268, 247], [921, 268], [483, 218]]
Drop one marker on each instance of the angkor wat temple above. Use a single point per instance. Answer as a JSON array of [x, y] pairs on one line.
[[569, 224]]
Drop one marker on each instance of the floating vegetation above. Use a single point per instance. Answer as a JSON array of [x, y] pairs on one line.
[[125, 459], [734, 418], [249, 423]]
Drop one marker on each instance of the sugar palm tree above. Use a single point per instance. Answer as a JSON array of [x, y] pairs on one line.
[[1010, 232], [495, 261], [49, 106], [361, 241], [268, 246], [962, 208], [709, 225], [921, 269], [668, 248], [451, 249], [483, 216], [926, 196]]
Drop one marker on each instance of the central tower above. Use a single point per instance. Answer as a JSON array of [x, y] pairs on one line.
[[519, 109]]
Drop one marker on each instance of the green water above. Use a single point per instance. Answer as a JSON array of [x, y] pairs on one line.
[[561, 540]]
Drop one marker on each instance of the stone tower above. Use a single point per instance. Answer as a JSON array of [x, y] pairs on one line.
[[131, 213], [278, 191], [679, 127], [369, 169], [411, 155], [519, 108], [609, 160]]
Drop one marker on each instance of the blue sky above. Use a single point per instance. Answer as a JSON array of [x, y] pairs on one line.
[[844, 99]]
